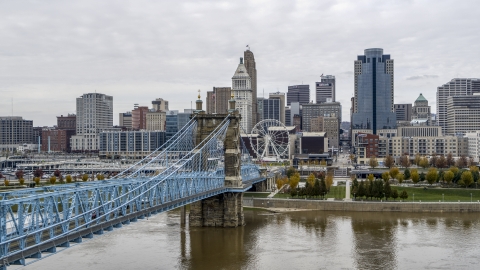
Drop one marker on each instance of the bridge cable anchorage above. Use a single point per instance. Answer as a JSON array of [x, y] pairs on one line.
[[59, 211]]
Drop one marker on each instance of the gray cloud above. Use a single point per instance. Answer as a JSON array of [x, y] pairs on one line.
[[421, 77], [54, 51]]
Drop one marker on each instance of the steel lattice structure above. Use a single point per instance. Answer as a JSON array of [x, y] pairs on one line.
[[174, 175]]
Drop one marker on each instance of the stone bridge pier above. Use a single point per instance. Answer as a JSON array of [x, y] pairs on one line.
[[224, 210]]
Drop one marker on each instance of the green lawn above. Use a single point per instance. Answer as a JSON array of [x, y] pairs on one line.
[[335, 192], [434, 194]]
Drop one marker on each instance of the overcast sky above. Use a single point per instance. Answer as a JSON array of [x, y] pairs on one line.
[[54, 51]]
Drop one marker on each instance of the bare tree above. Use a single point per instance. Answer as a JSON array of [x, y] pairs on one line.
[[450, 160], [433, 159], [404, 161], [441, 162], [388, 161]]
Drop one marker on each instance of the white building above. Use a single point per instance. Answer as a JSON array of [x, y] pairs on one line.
[[473, 144], [242, 93], [94, 114]]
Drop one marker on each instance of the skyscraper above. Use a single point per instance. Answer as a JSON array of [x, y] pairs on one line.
[[281, 97], [325, 89], [421, 113], [456, 87], [252, 72], [403, 112], [217, 99], [298, 93], [94, 113], [242, 92], [373, 108]]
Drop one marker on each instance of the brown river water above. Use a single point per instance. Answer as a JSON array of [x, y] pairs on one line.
[[296, 240]]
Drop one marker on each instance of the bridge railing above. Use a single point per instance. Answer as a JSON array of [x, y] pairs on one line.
[[27, 219]]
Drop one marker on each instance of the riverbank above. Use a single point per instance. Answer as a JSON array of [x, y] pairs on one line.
[[361, 206]]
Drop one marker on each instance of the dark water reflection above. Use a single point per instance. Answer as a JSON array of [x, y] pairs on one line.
[[299, 240]]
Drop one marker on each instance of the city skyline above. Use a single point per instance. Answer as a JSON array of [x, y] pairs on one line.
[[58, 51]]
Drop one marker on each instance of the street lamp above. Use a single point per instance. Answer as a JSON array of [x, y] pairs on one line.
[[471, 197], [413, 197], [443, 198]]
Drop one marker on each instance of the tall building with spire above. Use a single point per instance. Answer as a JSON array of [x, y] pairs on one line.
[[242, 93], [374, 107], [252, 71]]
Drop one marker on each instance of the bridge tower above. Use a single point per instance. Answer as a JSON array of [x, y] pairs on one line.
[[224, 210]]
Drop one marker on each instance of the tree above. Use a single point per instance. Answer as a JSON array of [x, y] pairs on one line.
[[361, 189], [467, 178], [387, 190], [406, 174], [316, 188], [433, 159], [370, 177], [423, 162], [394, 194], [475, 173], [462, 161], [329, 181], [373, 162], [471, 161], [417, 159], [385, 176], [388, 161], [405, 161], [454, 169], [441, 162], [36, 180], [450, 160], [294, 180], [404, 195], [19, 174], [85, 177], [68, 178], [368, 189], [399, 178], [6, 182], [100, 176], [415, 177], [431, 176], [422, 176], [38, 173], [53, 179], [323, 187], [21, 181], [448, 177], [291, 171], [377, 190], [355, 186], [393, 172]]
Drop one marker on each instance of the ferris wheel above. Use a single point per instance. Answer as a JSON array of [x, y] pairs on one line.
[[270, 139]]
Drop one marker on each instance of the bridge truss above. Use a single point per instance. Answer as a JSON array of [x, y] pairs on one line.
[[174, 175]]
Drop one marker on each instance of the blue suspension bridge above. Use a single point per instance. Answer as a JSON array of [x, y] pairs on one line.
[[204, 159]]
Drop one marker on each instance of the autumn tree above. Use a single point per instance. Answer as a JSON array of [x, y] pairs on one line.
[[404, 161], [329, 181], [373, 162], [417, 159], [414, 175], [450, 160], [462, 162], [394, 172], [448, 177], [441, 162], [475, 173], [68, 178], [294, 180], [85, 177], [53, 179], [423, 162], [385, 176], [466, 179], [433, 159], [431, 176], [19, 174], [370, 177], [399, 178], [388, 161], [38, 173]]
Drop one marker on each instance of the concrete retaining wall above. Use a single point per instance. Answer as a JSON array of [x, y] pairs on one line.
[[417, 207]]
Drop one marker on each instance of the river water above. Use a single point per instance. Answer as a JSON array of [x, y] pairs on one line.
[[296, 240]]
